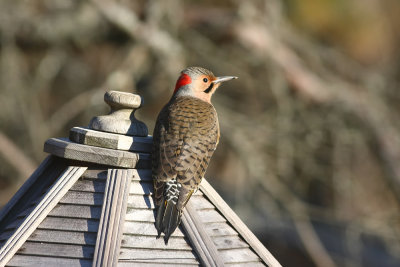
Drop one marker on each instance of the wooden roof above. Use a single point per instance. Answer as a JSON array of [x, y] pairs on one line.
[[81, 208]]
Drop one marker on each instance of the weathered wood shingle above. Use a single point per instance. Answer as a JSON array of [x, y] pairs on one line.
[[45, 203], [67, 236], [139, 243], [13, 214], [112, 217]]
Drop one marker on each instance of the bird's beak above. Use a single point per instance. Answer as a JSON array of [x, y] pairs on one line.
[[224, 79]]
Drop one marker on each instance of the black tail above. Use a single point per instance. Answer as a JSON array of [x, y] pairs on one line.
[[168, 215]]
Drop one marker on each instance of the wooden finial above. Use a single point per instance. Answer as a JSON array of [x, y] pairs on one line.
[[121, 119]]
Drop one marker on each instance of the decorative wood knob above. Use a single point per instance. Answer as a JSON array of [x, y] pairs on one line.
[[121, 119]]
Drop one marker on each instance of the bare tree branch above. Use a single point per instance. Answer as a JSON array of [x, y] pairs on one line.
[[16, 157]]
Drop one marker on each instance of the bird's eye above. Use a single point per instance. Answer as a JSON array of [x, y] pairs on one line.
[[205, 80]]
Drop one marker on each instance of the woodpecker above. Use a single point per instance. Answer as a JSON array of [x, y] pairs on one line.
[[184, 138]]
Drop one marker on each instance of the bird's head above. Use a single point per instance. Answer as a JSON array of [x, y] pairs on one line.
[[199, 82]]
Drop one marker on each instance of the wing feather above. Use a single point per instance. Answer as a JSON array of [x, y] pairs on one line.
[[187, 134]]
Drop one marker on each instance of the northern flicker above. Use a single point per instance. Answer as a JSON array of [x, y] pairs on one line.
[[185, 137]]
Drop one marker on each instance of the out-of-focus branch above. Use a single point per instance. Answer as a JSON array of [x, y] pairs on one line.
[[72, 108], [312, 242], [161, 42], [15, 157], [351, 98], [261, 41], [118, 79]]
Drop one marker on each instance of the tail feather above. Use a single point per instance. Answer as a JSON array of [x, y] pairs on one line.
[[159, 218], [168, 214], [171, 220]]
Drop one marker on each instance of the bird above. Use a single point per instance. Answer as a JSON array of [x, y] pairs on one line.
[[185, 137]]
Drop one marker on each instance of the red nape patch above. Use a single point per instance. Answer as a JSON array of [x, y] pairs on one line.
[[184, 79]]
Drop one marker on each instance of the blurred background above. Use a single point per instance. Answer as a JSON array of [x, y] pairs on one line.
[[310, 150]]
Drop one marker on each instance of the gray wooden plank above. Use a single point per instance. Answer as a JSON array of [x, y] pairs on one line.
[[138, 209], [157, 255], [238, 225], [240, 255], [63, 147], [210, 216], [140, 215], [87, 185], [159, 262], [146, 188], [98, 174], [220, 229], [248, 264], [111, 140], [141, 188], [146, 216], [146, 202], [144, 228], [200, 202], [60, 235], [83, 198], [47, 203], [141, 241], [140, 202], [31, 260], [202, 243], [142, 175], [76, 211], [63, 237], [59, 250], [229, 242], [70, 224], [112, 217], [153, 264]]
